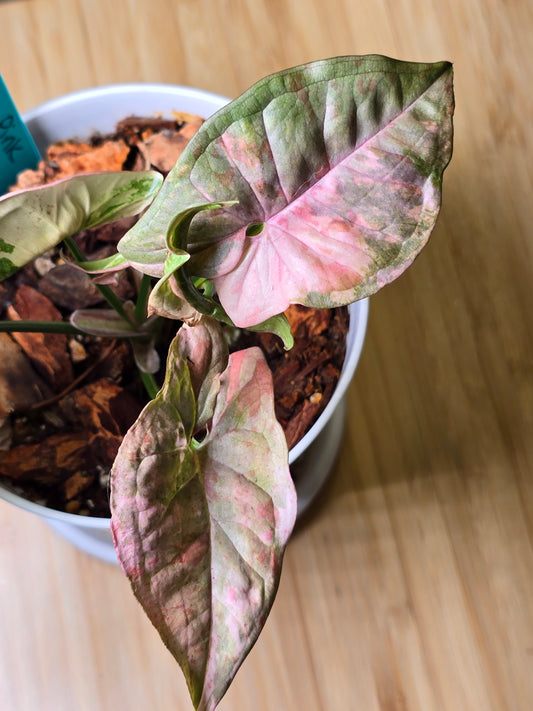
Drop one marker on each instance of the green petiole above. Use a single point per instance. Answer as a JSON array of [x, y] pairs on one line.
[[108, 294], [38, 327]]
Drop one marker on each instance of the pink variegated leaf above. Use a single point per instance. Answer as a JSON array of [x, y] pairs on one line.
[[252, 507], [37, 219], [200, 529], [337, 168], [206, 357]]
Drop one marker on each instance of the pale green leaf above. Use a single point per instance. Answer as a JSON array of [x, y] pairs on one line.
[[37, 219], [113, 263]]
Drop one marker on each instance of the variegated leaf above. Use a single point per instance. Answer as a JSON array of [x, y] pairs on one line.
[[106, 323], [200, 529], [337, 167], [37, 219]]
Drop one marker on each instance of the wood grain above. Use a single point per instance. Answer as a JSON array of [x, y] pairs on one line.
[[408, 587]]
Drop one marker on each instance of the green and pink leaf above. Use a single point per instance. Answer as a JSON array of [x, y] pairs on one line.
[[337, 169], [200, 528]]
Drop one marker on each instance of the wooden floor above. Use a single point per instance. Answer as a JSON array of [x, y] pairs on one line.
[[409, 587]]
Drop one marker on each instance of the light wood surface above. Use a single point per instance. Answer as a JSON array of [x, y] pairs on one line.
[[410, 585]]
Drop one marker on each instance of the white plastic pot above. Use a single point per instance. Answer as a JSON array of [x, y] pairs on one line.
[[80, 114]]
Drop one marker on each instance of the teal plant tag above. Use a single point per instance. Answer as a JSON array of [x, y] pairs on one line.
[[17, 148]]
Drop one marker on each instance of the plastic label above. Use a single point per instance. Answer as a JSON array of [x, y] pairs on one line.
[[17, 148]]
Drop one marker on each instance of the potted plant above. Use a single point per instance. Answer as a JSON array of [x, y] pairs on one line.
[[80, 114], [319, 185]]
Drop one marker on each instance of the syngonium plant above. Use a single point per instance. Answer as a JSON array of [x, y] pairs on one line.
[[317, 186]]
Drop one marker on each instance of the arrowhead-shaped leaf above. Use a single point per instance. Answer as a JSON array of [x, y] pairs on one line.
[[37, 219], [337, 168], [200, 530]]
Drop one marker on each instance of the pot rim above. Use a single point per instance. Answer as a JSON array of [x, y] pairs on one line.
[[125, 88], [358, 310]]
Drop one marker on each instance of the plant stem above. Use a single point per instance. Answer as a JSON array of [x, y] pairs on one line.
[[191, 293], [142, 298], [74, 249], [38, 327], [108, 294], [177, 240], [201, 303], [150, 384]]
